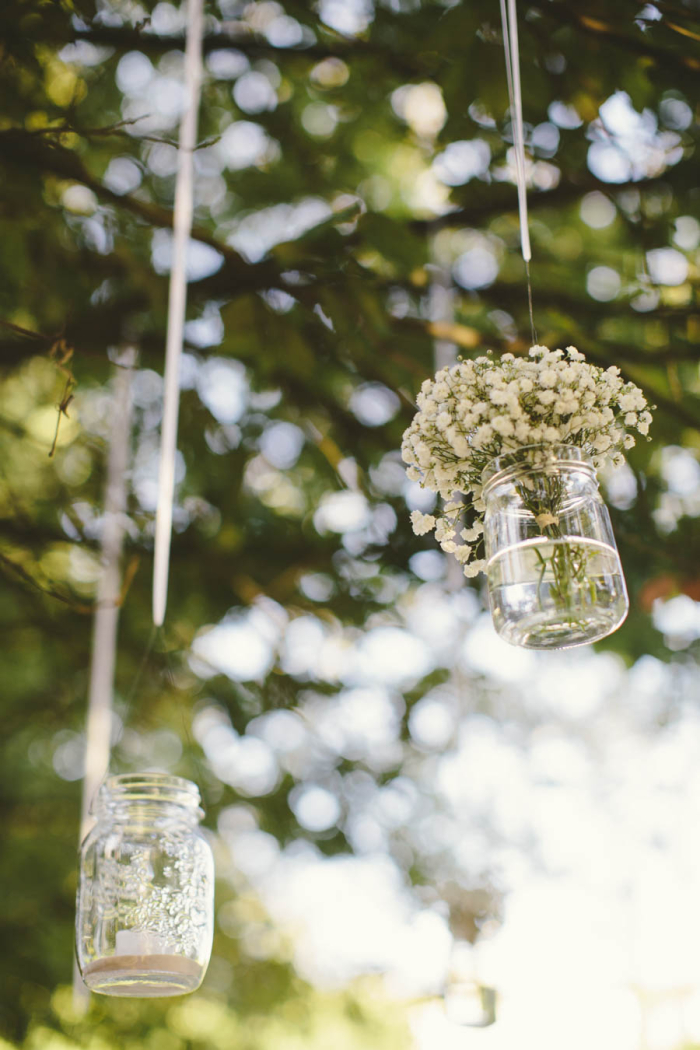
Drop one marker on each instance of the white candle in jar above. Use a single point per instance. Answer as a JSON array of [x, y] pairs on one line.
[[141, 942]]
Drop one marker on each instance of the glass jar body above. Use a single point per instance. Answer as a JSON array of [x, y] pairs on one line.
[[145, 907], [554, 573]]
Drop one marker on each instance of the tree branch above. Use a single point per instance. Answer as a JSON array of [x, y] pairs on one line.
[[51, 592], [490, 199], [128, 38], [18, 146], [603, 30]]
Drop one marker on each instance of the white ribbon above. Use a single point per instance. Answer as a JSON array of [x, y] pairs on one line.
[[509, 19], [182, 227]]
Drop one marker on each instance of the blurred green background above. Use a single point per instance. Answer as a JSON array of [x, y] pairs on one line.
[[383, 779]]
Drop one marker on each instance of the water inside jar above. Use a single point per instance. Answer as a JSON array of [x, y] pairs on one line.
[[556, 593]]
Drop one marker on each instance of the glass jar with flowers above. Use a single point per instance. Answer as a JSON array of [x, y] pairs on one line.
[[512, 446]]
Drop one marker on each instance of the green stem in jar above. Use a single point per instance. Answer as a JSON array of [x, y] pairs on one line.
[[570, 586]]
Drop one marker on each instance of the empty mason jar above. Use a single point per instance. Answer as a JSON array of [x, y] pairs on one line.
[[554, 573], [144, 920]]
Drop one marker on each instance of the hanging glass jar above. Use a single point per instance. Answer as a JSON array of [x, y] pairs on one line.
[[467, 1001], [554, 573], [144, 920]]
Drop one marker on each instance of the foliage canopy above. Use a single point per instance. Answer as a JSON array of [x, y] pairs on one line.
[[355, 205]]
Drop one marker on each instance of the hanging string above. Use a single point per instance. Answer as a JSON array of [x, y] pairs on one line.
[[106, 620], [142, 665], [182, 227], [98, 728], [509, 21]]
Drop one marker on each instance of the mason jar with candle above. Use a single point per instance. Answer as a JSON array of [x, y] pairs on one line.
[[145, 907]]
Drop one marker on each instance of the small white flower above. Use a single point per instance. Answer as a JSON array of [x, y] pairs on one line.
[[423, 455], [444, 476], [473, 533], [628, 441], [483, 435], [565, 406], [548, 377], [444, 531], [462, 553], [503, 426], [574, 354], [422, 523], [474, 567]]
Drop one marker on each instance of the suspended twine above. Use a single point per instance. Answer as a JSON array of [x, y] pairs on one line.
[[509, 21], [177, 302]]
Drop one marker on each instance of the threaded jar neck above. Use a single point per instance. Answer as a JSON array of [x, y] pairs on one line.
[[149, 791], [534, 459]]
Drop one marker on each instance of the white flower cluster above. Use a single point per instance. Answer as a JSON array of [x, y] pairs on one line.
[[484, 408]]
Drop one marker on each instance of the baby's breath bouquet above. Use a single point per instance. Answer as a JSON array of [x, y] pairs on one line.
[[548, 407], [481, 409]]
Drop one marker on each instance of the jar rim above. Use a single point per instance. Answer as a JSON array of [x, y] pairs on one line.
[[534, 457], [124, 788]]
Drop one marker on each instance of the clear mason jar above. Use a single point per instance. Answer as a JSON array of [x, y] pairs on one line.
[[145, 908], [554, 573], [466, 1000]]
